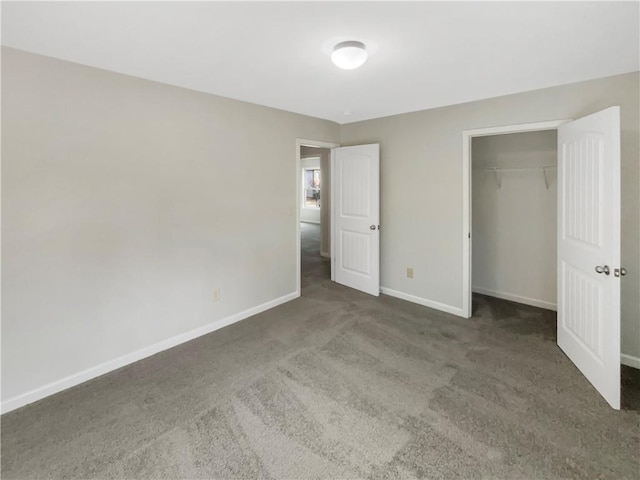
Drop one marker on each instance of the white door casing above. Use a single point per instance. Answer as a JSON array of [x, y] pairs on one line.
[[589, 238], [356, 217]]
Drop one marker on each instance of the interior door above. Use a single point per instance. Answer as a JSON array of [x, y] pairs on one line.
[[356, 217], [589, 248]]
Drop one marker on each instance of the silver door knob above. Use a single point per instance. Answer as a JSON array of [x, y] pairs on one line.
[[372, 227], [604, 269]]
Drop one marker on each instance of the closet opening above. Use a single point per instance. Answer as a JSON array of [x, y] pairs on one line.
[[510, 214], [514, 217]]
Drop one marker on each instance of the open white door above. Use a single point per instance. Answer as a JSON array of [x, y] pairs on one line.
[[356, 217], [589, 248]]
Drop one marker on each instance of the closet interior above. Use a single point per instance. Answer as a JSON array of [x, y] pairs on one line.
[[514, 217]]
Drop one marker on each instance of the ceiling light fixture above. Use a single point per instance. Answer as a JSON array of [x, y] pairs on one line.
[[349, 55]]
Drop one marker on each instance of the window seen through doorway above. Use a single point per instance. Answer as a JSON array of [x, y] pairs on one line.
[[311, 180]]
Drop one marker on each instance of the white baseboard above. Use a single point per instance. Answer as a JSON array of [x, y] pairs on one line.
[[516, 298], [310, 221], [630, 360], [119, 362], [443, 307], [325, 254]]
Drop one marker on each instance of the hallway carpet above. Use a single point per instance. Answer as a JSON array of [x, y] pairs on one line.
[[339, 384]]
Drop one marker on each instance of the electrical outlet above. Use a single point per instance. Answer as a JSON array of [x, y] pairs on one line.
[[216, 295], [409, 272]]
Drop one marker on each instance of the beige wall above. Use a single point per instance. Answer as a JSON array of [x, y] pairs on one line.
[[514, 217], [421, 184], [125, 203]]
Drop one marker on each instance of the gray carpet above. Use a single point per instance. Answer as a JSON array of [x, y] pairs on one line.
[[338, 384]]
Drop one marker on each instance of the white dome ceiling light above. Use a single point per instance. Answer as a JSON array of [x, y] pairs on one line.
[[349, 55]]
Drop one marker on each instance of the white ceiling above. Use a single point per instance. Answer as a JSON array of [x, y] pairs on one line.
[[422, 54]]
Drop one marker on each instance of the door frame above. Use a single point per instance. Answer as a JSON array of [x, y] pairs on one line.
[[302, 142], [467, 137]]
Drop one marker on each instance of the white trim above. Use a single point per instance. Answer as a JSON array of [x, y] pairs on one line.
[[119, 362], [467, 135], [332, 222], [301, 142], [325, 254], [443, 307], [629, 360], [516, 298], [309, 221]]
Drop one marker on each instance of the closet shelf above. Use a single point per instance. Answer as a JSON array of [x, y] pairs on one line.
[[545, 170]]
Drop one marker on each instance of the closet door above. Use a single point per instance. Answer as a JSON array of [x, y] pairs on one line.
[[589, 248]]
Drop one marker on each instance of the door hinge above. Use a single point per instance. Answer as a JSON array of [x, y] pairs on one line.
[[619, 272]]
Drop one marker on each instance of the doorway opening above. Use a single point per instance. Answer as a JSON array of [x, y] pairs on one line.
[[313, 200]]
